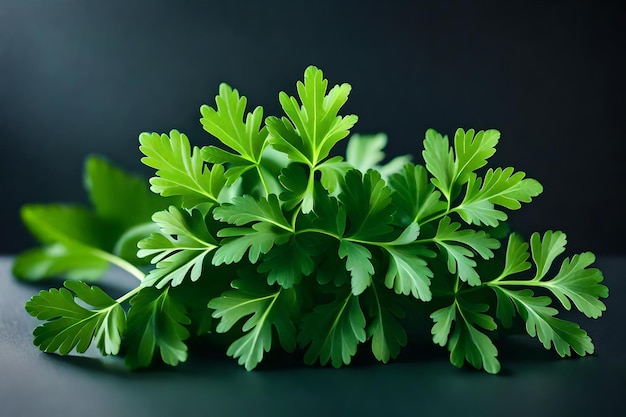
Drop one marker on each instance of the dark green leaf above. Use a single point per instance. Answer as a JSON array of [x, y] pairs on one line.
[[156, 321]]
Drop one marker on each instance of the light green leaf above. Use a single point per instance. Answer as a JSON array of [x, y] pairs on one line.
[[408, 272], [545, 250], [72, 226], [256, 240], [443, 318], [313, 128], [267, 307], [472, 150], [460, 258], [500, 187], [365, 152], [71, 326], [332, 171], [576, 282], [517, 255], [180, 169], [179, 249], [439, 159], [76, 240], [465, 341], [541, 323], [244, 136], [358, 262], [156, 321], [247, 209], [469, 344]]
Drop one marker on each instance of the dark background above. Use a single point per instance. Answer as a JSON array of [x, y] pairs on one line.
[[79, 78]]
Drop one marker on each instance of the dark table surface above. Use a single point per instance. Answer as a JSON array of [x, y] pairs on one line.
[[532, 383]]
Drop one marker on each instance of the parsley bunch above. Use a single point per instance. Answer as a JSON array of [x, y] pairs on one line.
[[273, 241]]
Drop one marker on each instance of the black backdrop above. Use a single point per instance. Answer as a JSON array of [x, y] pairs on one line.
[[86, 77]]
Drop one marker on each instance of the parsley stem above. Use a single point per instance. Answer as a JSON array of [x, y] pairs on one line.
[[119, 262], [497, 282], [320, 231], [129, 294], [262, 178]]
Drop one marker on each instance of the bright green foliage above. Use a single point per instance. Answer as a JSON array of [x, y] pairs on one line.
[[452, 168], [287, 264], [408, 272], [541, 323], [269, 228], [358, 262], [71, 326], [573, 282], [458, 326], [415, 197], [333, 331], [180, 169], [457, 244], [312, 128], [156, 320], [266, 235], [386, 329], [226, 123], [367, 201], [269, 308], [502, 187], [179, 250]]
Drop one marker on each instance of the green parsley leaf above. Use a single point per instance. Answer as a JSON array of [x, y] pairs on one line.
[[180, 169], [333, 331], [502, 187], [541, 323], [112, 191], [267, 307], [156, 320], [287, 264], [574, 280], [453, 168], [358, 262], [465, 341], [179, 250], [386, 331], [71, 326], [313, 128], [460, 257], [414, 195], [245, 137], [247, 209], [367, 199], [408, 271]]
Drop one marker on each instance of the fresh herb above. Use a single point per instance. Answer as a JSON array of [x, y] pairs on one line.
[[278, 243]]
